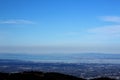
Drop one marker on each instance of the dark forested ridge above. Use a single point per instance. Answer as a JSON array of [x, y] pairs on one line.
[[41, 76]]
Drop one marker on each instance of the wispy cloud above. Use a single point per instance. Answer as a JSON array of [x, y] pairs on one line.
[[107, 30], [16, 21], [104, 34], [113, 29], [115, 19]]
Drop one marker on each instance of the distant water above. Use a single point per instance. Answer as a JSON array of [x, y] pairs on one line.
[[66, 58]]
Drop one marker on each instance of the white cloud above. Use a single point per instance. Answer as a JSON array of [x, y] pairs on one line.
[[108, 30], [16, 21], [115, 19], [104, 34]]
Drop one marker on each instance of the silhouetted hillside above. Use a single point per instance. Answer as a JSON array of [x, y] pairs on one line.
[[41, 76], [103, 78]]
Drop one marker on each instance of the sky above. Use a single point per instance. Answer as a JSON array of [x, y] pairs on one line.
[[59, 26]]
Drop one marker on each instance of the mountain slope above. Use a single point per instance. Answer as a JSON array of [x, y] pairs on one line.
[[41, 76]]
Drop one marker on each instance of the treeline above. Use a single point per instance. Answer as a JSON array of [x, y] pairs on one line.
[[34, 75]]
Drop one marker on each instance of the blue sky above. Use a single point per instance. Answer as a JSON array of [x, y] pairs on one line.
[[59, 26]]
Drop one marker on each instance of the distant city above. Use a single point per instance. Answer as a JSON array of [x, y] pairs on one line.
[[83, 69]]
